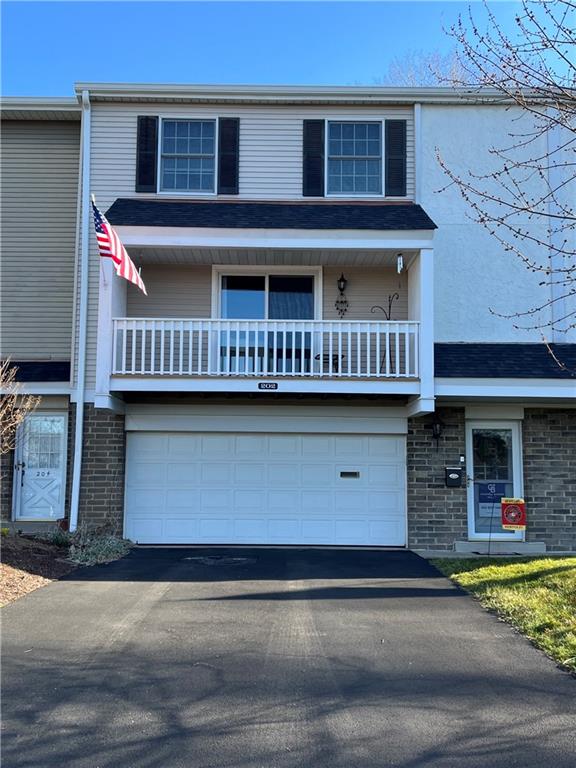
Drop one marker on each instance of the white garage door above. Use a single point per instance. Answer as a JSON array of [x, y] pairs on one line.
[[224, 488]]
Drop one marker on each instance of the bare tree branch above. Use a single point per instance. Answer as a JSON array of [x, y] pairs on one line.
[[527, 199], [14, 406]]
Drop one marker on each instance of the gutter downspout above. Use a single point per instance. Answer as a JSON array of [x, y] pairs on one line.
[[83, 313]]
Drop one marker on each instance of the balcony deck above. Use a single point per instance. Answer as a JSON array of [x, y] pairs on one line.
[[311, 349]]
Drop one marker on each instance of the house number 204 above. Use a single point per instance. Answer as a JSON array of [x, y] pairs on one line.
[[43, 473]]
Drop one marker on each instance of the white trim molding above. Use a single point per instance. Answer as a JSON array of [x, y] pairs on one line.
[[526, 389], [209, 237], [272, 418], [223, 384]]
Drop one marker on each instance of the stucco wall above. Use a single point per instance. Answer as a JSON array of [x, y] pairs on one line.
[[473, 272]]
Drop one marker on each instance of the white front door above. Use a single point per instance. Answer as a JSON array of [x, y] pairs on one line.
[[494, 471], [40, 467]]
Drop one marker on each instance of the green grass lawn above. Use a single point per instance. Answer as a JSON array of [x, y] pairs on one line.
[[536, 595]]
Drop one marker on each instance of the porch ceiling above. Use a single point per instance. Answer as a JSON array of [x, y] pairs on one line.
[[270, 257]]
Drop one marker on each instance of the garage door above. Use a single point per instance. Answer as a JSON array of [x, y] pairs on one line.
[[265, 488]]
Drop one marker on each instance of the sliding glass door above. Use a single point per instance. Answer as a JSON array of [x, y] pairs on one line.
[[266, 297]]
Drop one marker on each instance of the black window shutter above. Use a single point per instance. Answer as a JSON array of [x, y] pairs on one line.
[[395, 148], [313, 159], [228, 155], [146, 154]]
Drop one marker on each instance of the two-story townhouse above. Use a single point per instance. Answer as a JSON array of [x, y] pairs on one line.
[[316, 355], [40, 154]]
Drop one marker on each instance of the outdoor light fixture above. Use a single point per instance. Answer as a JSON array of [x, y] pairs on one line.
[[341, 303], [400, 262], [437, 426]]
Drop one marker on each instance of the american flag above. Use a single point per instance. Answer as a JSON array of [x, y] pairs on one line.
[[110, 246]]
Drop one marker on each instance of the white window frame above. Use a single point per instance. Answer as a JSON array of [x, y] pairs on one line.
[[235, 269], [326, 158], [363, 195], [517, 463], [187, 192]]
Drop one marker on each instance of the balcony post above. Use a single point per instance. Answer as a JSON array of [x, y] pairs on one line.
[[111, 303], [421, 308]]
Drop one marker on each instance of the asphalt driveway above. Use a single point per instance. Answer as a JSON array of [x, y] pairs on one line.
[[265, 658]]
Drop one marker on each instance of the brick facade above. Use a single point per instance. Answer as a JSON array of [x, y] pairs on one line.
[[436, 514], [103, 461], [549, 451]]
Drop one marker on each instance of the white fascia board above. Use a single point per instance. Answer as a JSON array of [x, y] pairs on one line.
[[250, 385], [198, 237], [541, 389], [34, 103], [39, 388], [291, 94]]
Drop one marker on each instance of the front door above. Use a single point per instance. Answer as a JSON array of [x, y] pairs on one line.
[[40, 467], [494, 471]]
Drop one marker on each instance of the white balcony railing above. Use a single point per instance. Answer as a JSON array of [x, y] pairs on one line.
[[300, 348]]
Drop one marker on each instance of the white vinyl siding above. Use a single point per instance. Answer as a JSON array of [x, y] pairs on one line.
[[38, 222], [185, 292], [270, 161], [172, 292]]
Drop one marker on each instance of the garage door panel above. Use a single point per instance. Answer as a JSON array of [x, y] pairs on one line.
[[183, 474], [250, 446], [215, 499], [253, 500], [286, 475], [181, 529], [184, 446], [182, 499], [249, 474], [149, 474], [287, 500], [284, 446], [315, 475], [265, 488], [217, 529]]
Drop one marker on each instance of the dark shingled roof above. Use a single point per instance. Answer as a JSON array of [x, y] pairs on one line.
[[511, 361], [255, 215], [45, 370]]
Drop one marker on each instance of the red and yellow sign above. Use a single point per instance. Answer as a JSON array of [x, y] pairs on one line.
[[513, 514]]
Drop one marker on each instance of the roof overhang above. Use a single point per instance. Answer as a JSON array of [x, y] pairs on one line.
[[44, 108], [189, 237], [289, 94]]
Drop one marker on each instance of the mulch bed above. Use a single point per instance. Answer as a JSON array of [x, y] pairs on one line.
[[27, 564]]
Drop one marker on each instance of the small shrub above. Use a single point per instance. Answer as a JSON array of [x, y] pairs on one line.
[[93, 549], [4, 532], [58, 537]]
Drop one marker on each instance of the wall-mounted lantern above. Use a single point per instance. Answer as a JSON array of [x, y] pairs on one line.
[[341, 303], [437, 427]]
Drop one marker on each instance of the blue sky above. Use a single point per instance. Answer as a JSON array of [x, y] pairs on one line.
[[48, 46]]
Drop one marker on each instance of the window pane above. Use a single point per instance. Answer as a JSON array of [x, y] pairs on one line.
[[290, 298], [243, 297], [354, 174]]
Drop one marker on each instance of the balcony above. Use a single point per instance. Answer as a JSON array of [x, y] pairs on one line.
[[248, 349]]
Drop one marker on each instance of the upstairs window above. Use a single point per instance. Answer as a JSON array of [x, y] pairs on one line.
[[354, 158], [188, 156]]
